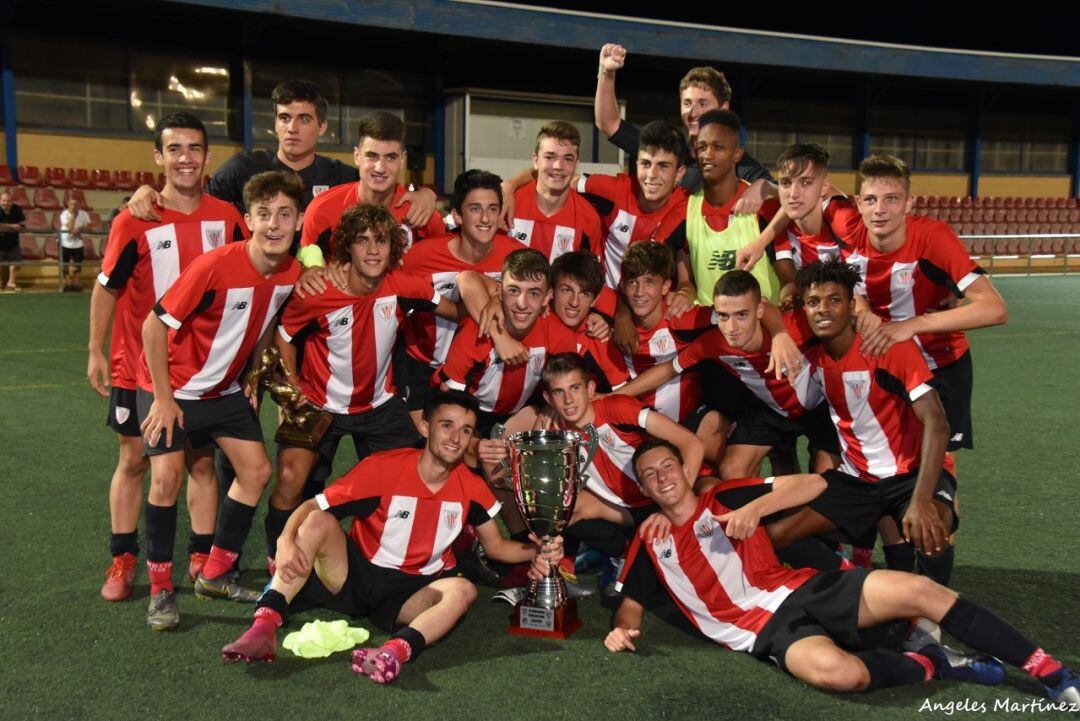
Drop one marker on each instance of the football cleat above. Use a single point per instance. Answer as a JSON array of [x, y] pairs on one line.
[[162, 614], [226, 586], [973, 668], [257, 644], [378, 665], [1065, 687], [120, 578]]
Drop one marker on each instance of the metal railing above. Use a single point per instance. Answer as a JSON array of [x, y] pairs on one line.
[[1028, 256]]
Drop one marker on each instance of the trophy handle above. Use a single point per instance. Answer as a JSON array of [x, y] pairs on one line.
[[497, 432], [586, 451]]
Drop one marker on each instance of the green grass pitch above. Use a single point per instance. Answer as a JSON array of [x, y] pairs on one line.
[[68, 654]]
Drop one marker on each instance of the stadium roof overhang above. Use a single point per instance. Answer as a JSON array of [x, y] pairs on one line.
[[482, 19]]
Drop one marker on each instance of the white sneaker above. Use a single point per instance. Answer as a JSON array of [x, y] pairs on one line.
[[512, 596]]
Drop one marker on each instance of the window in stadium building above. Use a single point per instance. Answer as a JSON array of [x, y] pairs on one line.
[[163, 84], [397, 92], [772, 125], [1025, 143], [928, 139]]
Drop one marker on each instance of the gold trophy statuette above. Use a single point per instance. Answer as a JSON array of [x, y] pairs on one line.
[[303, 425]]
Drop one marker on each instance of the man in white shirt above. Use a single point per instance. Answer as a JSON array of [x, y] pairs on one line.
[[72, 222]]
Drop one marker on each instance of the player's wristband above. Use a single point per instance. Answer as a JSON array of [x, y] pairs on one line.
[[310, 256], [600, 72]]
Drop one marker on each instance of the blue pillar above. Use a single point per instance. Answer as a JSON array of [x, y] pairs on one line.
[[1074, 155], [7, 79], [246, 104], [974, 142], [862, 137]]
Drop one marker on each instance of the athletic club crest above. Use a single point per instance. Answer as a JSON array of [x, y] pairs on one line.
[[384, 309], [564, 242], [450, 518], [906, 277], [662, 345], [609, 439], [857, 388], [215, 237], [536, 364], [122, 414]]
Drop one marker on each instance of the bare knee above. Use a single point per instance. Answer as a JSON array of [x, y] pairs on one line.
[[290, 484], [165, 486], [732, 468], [132, 464], [930, 598], [256, 476], [318, 523], [838, 672], [462, 593]]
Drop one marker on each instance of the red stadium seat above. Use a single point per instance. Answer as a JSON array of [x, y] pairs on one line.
[[20, 198], [56, 220], [979, 202], [97, 225], [1009, 202], [30, 176], [52, 247], [103, 180], [6, 178], [1040, 202], [964, 229], [995, 202], [31, 248], [954, 202], [920, 201], [965, 202], [79, 196], [932, 201], [1072, 202], [1059, 202], [1073, 215], [80, 178], [45, 198], [983, 246], [954, 215], [124, 181], [1042, 215], [1012, 229], [37, 221], [1045, 229], [1057, 246], [57, 178], [1029, 202], [1054, 215], [1001, 247], [966, 216], [144, 177]]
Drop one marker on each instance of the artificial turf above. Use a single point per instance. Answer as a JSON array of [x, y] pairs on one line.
[[68, 654]]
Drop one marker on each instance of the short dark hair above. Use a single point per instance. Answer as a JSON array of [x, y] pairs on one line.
[[662, 135], [652, 444], [527, 264], [381, 125], [301, 91], [709, 78], [563, 364], [559, 130], [884, 166], [798, 157], [182, 119], [735, 283], [833, 270], [720, 117], [647, 258], [379, 221], [451, 398], [472, 180], [582, 267], [265, 186]]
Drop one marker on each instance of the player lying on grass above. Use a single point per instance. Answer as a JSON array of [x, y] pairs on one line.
[[396, 565], [719, 568]]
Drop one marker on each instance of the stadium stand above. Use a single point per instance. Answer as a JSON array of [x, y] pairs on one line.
[[6, 178], [30, 176], [57, 178]]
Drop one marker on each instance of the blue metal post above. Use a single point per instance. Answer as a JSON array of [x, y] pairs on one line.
[[7, 79]]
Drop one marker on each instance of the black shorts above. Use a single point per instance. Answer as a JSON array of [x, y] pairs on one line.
[[123, 414], [71, 255], [825, 605], [13, 255], [369, 591], [695, 417], [414, 380], [954, 383], [854, 505], [722, 390], [762, 426], [229, 416], [382, 428]]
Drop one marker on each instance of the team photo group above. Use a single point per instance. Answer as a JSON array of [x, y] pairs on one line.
[[543, 367]]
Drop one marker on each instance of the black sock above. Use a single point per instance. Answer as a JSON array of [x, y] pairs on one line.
[[985, 631], [160, 532], [275, 600], [233, 523], [603, 536], [900, 557], [199, 542], [124, 543], [888, 668], [571, 543], [276, 518], [414, 638], [809, 553], [939, 567], [867, 540]]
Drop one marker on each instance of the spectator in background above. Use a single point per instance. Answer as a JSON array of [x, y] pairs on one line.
[[115, 212], [72, 221], [12, 221]]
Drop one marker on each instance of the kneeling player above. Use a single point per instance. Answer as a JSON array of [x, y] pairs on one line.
[[724, 577], [396, 565]]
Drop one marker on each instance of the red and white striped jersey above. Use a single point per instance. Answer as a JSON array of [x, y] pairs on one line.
[[398, 522], [473, 366], [870, 404], [728, 588], [930, 266], [604, 360], [790, 400], [427, 336], [677, 398], [620, 429], [143, 258], [627, 223], [326, 208], [576, 226], [348, 341], [841, 225], [216, 311]]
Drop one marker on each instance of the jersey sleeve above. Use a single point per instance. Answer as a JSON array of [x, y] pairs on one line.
[[706, 346], [417, 293], [356, 493], [844, 218], [295, 317], [121, 253], [627, 138], [798, 327], [316, 230], [185, 296], [946, 262], [626, 411], [676, 239], [750, 169], [903, 371], [639, 580], [606, 186], [611, 364], [463, 354], [435, 226], [483, 506], [693, 323], [240, 230], [606, 302]]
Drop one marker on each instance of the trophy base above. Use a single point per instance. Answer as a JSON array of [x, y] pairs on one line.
[[561, 622], [308, 438]]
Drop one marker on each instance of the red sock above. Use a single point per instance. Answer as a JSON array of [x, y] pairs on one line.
[[400, 648], [160, 577], [1041, 664], [266, 617], [566, 565], [861, 556], [925, 662], [219, 562]]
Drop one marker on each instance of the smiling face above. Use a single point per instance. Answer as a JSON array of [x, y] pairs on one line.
[[658, 171], [828, 308], [800, 194], [662, 476], [379, 162], [571, 396], [298, 129], [645, 293], [738, 318], [523, 301], [555, 162], [694, 102], [883, 203], [272, 223], [571, 303], [718, 151], [183, 154], [479, 216], [448, 432], [370, 254]]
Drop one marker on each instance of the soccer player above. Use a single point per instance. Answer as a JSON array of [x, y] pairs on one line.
[[719, 568], [548, 214], [396, 565], [142, 259], [781, 408], [476, 246], [347, 339], [702, 89], [379, 154], [196, 344]]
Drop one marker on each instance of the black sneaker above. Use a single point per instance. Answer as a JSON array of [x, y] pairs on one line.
[[226, 586], [162, 614]]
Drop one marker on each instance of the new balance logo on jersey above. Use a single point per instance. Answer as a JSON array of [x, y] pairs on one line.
[[163, 245], [858, 388], [402, 515], [445, 288], [240, 305], [519, 236], [341, 321], [665, 554], [622, 228], [722, 260]]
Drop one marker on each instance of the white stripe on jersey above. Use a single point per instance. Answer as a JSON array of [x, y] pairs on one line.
[[727, 565], [447, 529], [487, 390], [339, 344], [662, 348], [621, 455], [563, 241], [880, 460], [227, 340], [618, 240], [394, 541], [901, 290], [385, 324], [164, 257], [522, 231]]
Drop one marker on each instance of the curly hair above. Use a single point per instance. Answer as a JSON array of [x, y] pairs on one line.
[[360, 218], [832, 270]]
